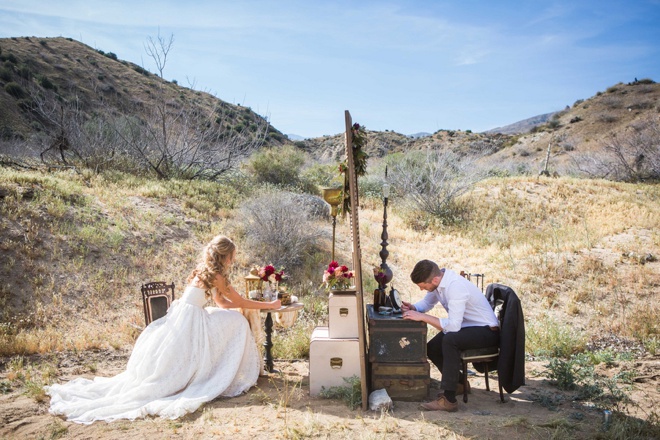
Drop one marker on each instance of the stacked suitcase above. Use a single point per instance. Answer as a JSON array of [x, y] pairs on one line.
[[334, 351], [397, 355]]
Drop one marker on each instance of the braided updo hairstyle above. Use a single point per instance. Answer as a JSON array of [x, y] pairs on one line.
[[213, 260]]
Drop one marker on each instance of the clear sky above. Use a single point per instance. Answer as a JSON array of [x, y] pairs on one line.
[[407, 66]]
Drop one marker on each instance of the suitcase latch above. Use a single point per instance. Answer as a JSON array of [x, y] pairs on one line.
[[336, 363]]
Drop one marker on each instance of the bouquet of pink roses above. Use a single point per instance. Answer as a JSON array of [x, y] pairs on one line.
[[337, 277]]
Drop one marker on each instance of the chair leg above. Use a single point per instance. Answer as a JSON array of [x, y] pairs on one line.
[[465, 385], [486, 375], [501, 393]]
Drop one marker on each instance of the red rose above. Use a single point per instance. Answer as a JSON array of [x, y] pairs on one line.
[[344, 269]]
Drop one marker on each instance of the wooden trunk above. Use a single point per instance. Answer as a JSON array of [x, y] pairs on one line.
[[393, 339], [403, 381]]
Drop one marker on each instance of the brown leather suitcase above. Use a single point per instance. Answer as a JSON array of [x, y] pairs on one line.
[[403, 381], [393, 339]]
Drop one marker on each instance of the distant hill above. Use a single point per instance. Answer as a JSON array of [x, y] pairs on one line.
[[55, 92], [523, 126], [47, 84]]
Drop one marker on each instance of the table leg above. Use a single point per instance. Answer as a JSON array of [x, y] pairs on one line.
[[268, 359]]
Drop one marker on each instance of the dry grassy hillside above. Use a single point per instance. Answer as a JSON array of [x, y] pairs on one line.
[[75, 248], [98, 83], [573, 248]]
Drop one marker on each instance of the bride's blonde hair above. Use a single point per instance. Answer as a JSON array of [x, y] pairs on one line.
[[212, 260]]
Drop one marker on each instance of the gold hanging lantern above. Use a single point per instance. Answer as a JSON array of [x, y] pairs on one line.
[[253, 285]]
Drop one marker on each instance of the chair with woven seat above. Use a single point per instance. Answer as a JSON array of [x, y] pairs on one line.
[[486, 356], [508, 359], [156, 299]]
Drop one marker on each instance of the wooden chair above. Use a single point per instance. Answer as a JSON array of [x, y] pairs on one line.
[[485, 356], [156, 298]]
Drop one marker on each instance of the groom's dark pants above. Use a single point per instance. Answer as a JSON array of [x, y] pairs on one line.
[[444, 350]]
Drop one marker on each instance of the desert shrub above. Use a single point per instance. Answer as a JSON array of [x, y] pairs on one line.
[[548, 338], [111, 55], [141, 70], [631, 156], [351, 393], [431, 181], [575, 119], [11, 58], [578, 373], [278, 229], [554, 124], [15, 90], [24, 72], [5, 74], [46, 83], [320, 174], [607, 118], [277, 166]]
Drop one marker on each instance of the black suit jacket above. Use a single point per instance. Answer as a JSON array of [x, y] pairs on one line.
[[511, 363]]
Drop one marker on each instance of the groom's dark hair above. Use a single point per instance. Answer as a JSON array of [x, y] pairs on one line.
[[424, 272]]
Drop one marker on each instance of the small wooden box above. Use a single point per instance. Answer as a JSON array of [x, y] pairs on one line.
[[342, 316], [394, 339], [331, 360], [403, 381]]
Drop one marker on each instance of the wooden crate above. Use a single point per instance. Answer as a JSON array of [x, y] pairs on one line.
[[403, 381], [393, 339], [331, 360], [342, 316]]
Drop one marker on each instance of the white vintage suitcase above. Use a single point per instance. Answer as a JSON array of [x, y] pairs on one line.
[[331, 360], [342, 316]]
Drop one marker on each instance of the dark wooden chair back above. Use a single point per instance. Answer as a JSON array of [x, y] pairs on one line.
[[156, 298]]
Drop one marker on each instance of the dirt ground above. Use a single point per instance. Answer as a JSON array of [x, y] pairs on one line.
[[279, 407]]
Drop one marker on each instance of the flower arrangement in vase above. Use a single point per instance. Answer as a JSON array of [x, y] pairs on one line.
[[337, 277], [273, 277]]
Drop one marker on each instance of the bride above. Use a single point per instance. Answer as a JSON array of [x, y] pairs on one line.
[[189, 357]]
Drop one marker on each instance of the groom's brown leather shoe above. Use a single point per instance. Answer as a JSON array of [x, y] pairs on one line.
[[442, 404]]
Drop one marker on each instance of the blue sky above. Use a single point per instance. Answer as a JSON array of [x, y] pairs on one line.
[[407, 66]]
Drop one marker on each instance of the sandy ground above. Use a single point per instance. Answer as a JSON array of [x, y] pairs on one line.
[[279, 407]]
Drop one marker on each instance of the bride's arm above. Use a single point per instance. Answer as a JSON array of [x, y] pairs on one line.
[[226, 296]]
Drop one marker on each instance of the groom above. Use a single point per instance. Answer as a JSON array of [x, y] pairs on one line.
[[471, 323]]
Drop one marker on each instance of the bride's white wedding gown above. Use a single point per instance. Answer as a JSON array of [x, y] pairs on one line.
[[190, 356]]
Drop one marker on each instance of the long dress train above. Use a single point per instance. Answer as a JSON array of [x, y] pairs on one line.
[[189, 357]]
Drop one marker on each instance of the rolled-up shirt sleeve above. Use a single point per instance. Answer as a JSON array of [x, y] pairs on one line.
[[455, 314]]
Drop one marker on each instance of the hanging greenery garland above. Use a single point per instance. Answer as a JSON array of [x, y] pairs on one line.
[[358, 142]]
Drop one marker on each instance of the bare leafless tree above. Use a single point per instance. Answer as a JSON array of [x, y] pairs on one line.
[[631, 156], [173, 139]]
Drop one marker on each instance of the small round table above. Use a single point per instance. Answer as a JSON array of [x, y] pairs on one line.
[[268, 326]]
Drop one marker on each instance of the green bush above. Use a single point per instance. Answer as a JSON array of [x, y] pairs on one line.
[[15, 90], [5, 74], [46, 83], [277, 166], [10, 58], [547, 338], [351, 393]]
